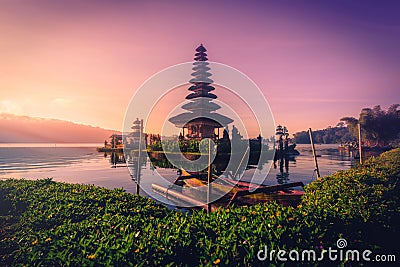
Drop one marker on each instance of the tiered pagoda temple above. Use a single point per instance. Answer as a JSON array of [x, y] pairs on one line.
[[201, 121]]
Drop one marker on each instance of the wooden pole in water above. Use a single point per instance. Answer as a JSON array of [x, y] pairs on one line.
[[313, 151], [209, 170], [138, 161], [359, 142], [241, 161]]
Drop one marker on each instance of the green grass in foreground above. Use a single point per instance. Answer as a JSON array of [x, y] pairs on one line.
[[44, 223]]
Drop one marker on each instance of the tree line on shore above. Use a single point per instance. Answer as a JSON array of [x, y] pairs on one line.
[[330, 135], [380, 128]]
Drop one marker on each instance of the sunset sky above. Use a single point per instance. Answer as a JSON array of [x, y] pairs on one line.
[[82, 61]]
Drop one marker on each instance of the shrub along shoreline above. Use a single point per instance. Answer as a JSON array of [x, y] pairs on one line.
[[46, 223]]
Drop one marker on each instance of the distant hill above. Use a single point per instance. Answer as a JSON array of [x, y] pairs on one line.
[[25, 129]]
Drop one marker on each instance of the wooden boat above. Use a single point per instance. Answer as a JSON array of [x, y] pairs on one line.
[[239, 192]]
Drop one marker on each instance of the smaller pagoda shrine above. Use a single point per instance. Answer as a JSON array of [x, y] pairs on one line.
[[137, 129], [201, 121]]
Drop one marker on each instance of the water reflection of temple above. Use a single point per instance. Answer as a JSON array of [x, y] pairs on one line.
[[117, 159], [283, 176], [219, 165], [136, 162]]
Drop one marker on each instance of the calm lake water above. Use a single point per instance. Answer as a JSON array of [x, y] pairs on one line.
[[81, 163]]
